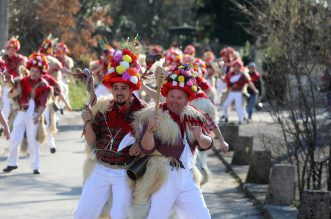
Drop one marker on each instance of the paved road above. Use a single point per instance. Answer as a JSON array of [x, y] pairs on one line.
[[54, 193]]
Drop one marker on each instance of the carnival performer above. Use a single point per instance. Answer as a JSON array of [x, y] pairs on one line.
[[204, 72], [202, 102], [256, 80], [32, 92], [50, 115], [236, 80], [173, 56], [48, 48], [109, 136], [61, 53], [13, 61], [53, 77], [172, 134], [190, 50]]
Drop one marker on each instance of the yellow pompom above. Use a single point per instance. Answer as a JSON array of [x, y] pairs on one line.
[[120, 69], [181, 78], [180, 66], [194, 88], [127, 58]]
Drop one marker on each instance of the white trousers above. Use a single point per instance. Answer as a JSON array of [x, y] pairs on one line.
[[50, 137], [5, 102], [181, 193], [102, 182], [221, 85], [24, 122], [238, 98]]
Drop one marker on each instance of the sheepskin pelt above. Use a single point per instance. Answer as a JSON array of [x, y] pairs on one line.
[[206, 106], [167, 131]]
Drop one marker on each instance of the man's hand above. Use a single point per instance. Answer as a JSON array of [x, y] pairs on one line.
[[224, 147], [153, 123], [68, 107], [197, 132], [6, 132], [36, 118], [134, 150], [87, 115]]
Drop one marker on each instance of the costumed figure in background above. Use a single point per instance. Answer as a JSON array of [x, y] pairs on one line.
[[236, 80], [54, 79], [61, 53], [32, 92], [13, 61]]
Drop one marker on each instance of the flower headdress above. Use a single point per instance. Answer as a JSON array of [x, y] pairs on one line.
[[181, 77], [13, 43], [123, 67], [200, 66], [47, 46], [189, 50], [62, 48], [173, 56], [38, 60], [208, 56]]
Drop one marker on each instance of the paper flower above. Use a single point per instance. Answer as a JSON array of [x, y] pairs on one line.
[[126, 75], [134, 79], [190, 82], [118, 56], [120, 69], [181, 78], [127, 58], [173, 76], [110, 70], [132, 71], [125, 64]]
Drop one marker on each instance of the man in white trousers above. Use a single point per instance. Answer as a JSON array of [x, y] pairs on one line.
[[235, 81], [32, 92], [110, 135], [173, 135]]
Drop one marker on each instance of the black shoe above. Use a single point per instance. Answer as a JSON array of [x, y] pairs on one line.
[[1, 131], [9, 168], [53, 150], [36, 171]]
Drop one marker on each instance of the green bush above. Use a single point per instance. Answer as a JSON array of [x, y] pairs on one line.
[[78, 95]]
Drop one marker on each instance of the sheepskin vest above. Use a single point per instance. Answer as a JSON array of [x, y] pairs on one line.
[[156, 173]]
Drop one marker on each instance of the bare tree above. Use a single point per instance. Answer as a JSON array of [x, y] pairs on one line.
[[296, 36]]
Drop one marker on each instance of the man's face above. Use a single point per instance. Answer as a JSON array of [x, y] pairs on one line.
[[236, 68], [251, 69], [10, 51], [35, 73], [176, 100], [121, 93]]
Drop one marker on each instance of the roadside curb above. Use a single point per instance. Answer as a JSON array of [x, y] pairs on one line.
[[257, 194]]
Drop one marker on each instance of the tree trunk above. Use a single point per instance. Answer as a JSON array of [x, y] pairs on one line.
[[329, 167], [3, 23]]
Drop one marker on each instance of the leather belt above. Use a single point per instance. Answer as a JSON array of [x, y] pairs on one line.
[[173, 164], [21, 108]]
